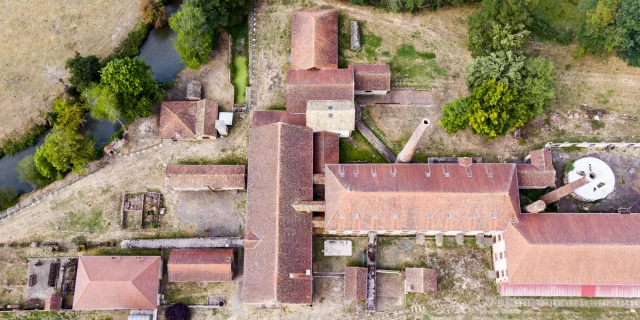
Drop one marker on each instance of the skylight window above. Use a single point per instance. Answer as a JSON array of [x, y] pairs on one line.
[[493, 216], [356, 215], [330, 115], [430, 215], [472, 216], [395, 216], [449, 215], [375, 215]]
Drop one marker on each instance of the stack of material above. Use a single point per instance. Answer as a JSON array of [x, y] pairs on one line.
[[355, 36]]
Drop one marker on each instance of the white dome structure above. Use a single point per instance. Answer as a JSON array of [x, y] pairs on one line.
[[602, 183]]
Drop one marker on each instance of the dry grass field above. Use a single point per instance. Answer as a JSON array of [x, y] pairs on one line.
[[38, 37]]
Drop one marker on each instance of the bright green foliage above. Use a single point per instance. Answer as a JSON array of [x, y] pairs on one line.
[[599, 33], [28, 172], [537, 90], [132, 83], [68, 115], [195, 38], [222, 13], [83, 70], [628, 19], [102, 103], [64, 151], [495, 109], [411, 5], [455, 115]]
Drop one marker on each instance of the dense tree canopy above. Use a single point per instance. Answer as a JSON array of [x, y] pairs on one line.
[[599, 33], [223, 13], [628, 19], [195, 38], [68, 115], [28, 172], [102, 103], [64, 151], [83, 70], [499, 25], [154, 13], [495, 109], [131, 82], [455, 115]]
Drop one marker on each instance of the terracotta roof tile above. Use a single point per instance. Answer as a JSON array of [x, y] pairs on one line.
[[262, 117], [280, 173], [314, 39], [200, 265], [539, 173], [305, 85], [109, 283], [423, 197], [573, 249], [325, 150], [187, 119], [421, 280], [355, 283], [198, 177], [371, 77]]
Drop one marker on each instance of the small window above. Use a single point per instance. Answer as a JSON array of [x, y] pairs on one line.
[[469, 175], [355, 174], [430, 215], [490, 174], [375, 215], [330, 115], [395, 216], [449, 215], [493, 216], [428, 174], [373, 174], [342, 215], [357, 215], [341, 174], [393, 174], [500, 255], [446, 174], [330, 107], [472, 216]]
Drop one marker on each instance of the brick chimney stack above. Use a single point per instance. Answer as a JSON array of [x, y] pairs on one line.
[[559, 193], [407, 152]]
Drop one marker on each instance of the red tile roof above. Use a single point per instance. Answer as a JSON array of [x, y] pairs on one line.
[[200, 265], [539, 173], [261, 118], [371, 77], [280, 173], [314, 39], [421, 280], [305, 85], [325, 150], [203, 177], [110, 283], [573, 249], [422, 197], [355, 283], [187, 119]]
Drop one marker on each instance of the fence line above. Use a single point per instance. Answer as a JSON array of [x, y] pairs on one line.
[[252, 46], [595, 145], [102, 163]]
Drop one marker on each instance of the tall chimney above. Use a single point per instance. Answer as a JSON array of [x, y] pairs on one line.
[[407, 152], [559, 193]]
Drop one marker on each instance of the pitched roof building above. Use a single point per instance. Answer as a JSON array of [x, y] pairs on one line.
[[111, 283], [430, 198], [538, 172], [200, 265], [589, 255], [337, 116], [328, 84], [355, 283], [184, 120], [371, 78], [205, 177], [325, 150], [277, 261], [421, 280], [264, 117], [314, 39]]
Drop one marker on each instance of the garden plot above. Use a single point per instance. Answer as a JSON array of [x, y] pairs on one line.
[[141, 210]]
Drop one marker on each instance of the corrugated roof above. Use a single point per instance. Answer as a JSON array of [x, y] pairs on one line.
[[331, 115], [425, 197], [280, 173], [109, 283], [314, 39], [325, 150], [355, 283], [264, 117], [539, 173], [329, 84], [574, 249], [198, 177], [421, 280], [200, 265], [370, 77]]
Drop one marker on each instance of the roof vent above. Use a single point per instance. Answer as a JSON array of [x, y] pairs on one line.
[[468, 174], [430, 215], [375, 215], [355, 174], [373, 172], [140, 258], [342, 215], [356, 215], [228, 258], [115, 258], [449, 215], [446, 174], [472, 216], [395, 216], [330, 107], [493, 216], [490, 174], [341, 169], [330, 115], [307, 272]]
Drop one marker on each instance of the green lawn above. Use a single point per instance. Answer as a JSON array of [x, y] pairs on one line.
[[358, 149]]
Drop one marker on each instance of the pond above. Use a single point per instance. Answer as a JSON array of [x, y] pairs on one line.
[[157, 51]]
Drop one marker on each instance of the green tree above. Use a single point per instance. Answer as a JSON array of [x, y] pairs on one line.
[[499, 25], [154, 12], [598, 34], [495, 109], [28, 172], [83, 70], [628, 20], [102, 103], [195, 37], [133, 85], [8, 197], [64, 151], [68, 115], [503, 66], [222, 13], [455, 115]]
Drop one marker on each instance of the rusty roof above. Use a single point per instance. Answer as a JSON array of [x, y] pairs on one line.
[[280, 173], [371, 77], [437, 197], [201, 177], [124, 282], [355, 283], [187, 119], [200, 265], [325, 150], [264, 117], [539, 172], [314, 39], [421, 280], [580, 249], [305, 85]]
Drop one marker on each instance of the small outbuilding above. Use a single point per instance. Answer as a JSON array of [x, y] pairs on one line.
[[420, 280], [188, 120], [205, 177], [200, 265], [355, 283], [371, 79]]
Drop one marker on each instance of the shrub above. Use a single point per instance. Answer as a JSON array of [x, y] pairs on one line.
[[500, 25], [83, 70], [130, 46], [8, 197], [455, 115], [68, 115], [64, 151], [28, 172], [598, 34], [495, 109], [223, 13], [11, 146], [628, 18], [154, 13], [178, 311]]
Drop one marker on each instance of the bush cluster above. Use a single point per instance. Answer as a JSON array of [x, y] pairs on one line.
[[411, 5]]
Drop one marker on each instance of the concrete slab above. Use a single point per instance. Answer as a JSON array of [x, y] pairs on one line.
[[338, 248], [460, 238]]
